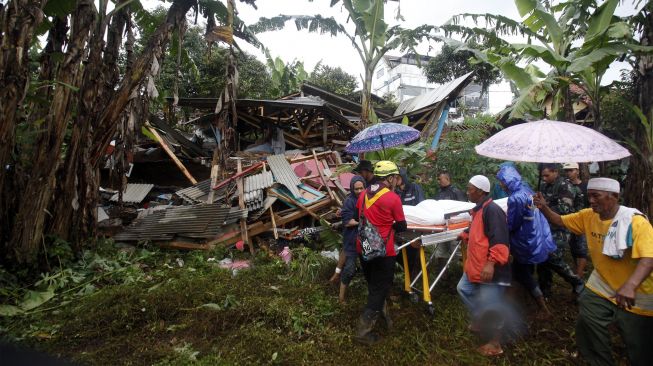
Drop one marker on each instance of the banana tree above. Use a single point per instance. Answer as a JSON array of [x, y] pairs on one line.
[[552, 32], [372, 38]]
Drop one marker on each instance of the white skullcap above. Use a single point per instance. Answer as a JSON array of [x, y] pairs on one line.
[[603, 184], [481, 182]]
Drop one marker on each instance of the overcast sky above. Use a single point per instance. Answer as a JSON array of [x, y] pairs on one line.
[[291, 44]]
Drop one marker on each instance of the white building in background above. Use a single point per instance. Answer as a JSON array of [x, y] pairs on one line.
[[404, 78]]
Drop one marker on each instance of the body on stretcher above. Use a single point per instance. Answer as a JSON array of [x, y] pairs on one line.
[[430, 236]]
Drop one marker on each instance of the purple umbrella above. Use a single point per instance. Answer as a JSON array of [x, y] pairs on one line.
[[381, 135]]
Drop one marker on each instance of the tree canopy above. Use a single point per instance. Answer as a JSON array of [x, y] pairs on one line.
[[333, 79], [451, 63]]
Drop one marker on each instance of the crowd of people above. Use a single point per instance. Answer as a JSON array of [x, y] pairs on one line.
[[522, 246]]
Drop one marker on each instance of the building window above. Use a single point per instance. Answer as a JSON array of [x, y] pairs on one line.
[[379, 73]]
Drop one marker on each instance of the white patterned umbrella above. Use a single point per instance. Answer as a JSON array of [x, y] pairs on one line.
[[547, 141]]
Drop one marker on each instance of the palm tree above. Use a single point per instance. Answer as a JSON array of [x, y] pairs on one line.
[[372, 38], [578, 40]]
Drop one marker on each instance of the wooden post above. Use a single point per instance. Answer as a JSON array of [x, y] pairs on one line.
[[241, 204], [274, 223], [172, 155], [214, 180], [324, 180]]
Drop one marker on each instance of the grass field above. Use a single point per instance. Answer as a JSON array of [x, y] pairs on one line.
[[168, 313]]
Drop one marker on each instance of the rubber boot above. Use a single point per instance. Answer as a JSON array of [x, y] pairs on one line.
[[365, 326], [385, 314]]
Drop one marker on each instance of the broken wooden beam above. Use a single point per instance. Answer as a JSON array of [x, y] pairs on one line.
[[170, 153]]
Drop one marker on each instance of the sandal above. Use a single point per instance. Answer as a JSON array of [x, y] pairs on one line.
[[489, 350]]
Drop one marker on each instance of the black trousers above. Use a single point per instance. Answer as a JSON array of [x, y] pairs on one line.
[[379, 274], [523, 274]]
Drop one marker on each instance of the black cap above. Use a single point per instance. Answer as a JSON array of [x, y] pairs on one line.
[[364, 165]]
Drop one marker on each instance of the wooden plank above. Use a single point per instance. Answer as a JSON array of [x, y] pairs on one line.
[[309, 157], [260, 227], [214, 180], [274, 223], [293, 201], [325, 180], [170, 153], [241, 204]]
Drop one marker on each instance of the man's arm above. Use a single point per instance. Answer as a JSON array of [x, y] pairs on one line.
[[625, 296], [550, 215]]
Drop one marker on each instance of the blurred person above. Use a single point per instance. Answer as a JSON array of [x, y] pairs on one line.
[[379, 207], [486, 271], [559, 195], [498, 192], [620, 288], [530, 236], [447, 190], [346, 268], [411, 194], [577, 243], [366, 170]]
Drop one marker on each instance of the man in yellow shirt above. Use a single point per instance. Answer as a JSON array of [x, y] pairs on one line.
[[620, 289]]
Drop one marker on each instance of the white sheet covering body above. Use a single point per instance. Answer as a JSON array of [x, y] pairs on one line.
[[431, 212]]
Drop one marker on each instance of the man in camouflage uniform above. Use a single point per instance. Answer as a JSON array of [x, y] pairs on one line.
[[577, 243], [559, 195]]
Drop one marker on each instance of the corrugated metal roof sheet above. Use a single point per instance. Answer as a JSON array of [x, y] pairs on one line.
[[431, 97], [284, 174], [134, 193], [199, 192], [197, 221], [253, 189]]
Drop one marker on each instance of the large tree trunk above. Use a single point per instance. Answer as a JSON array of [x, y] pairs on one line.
[[100, 76], [18, 19], [75, 217], [35, 180]]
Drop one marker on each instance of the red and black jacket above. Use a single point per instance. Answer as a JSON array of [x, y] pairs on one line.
[[488, 241]]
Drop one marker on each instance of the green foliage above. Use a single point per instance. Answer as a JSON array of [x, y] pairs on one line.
[[202, 70], [203, 316], [333, 79], [286, 77], [456, 155], [577, 39], [452, 63], [411, 157]]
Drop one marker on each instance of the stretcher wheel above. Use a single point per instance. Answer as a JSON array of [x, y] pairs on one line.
[[414, 297], [431, 309]]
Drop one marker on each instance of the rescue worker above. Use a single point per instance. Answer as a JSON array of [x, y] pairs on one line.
[[447, 190], [620, 288], [577, 243], [530, 236], [560, 198], [381, 207], [486, 271], [346, 268]]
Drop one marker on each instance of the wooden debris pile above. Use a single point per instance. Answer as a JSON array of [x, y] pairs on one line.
[[274, 194]]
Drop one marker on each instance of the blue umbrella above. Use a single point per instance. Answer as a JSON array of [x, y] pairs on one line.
[[381, 135]]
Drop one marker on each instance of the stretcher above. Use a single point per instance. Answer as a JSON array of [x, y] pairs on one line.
[[429, 236]]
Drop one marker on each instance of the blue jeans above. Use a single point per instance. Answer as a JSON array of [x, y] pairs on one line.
[[478, 297]]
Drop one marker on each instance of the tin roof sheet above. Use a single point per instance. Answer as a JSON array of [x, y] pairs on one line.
[[134, 192], [284, 174], [431, 97], [197, 221]]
